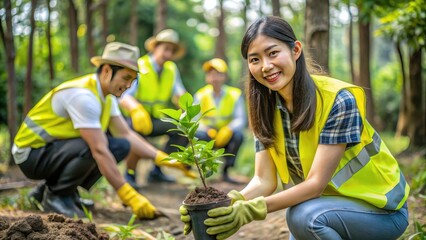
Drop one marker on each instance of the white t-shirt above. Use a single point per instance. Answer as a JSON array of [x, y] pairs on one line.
[[81, 106], [78, 104]]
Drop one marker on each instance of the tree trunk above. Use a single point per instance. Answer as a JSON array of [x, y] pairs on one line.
[[161, 16], [73, 26], [317, 31], [89, 30], [416, 128], [351, 45], [221, 39], [105, 25], [364, 69], [28, 85], [49, 45], [276, 6], [244, 14], [401, 127], [134, 23], [9, 46]]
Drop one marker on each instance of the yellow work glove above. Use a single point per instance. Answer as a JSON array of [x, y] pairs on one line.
[[225, 221], [212, 133], [161, 161], [141, 120], [139, 204], [223, 137], [186, 219]]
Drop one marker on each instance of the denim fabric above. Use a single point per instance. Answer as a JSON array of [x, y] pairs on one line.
[[336, 217]]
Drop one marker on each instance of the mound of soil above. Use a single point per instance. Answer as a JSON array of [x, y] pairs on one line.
[[54, 226]]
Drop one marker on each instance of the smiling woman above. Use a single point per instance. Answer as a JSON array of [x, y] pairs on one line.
[[311, 130]]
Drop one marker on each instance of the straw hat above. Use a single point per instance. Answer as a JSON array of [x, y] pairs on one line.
[[216, 63], [168, 36], [118, 54]]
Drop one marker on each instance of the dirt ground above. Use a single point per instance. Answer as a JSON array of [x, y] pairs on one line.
[[166, 197]]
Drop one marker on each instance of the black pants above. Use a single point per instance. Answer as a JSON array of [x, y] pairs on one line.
[[160, 128], [67, 164]]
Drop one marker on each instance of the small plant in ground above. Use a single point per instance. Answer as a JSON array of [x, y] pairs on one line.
[[122, 231], [199, 153]]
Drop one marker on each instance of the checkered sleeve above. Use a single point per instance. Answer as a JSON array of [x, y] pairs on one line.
[[344, 122]]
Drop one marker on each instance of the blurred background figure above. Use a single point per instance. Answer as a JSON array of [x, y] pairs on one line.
[[158, 87], [226, 123]]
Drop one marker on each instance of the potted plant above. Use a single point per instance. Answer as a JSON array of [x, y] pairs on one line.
[[203, 156]]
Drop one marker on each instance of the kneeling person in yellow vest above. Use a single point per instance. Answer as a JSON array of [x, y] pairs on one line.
[[227, 121], [158, 87], [75, 134]]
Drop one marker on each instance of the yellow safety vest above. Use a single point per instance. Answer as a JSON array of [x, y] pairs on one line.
[[155, 92], [42, 125], [367, 171], [222, 114]]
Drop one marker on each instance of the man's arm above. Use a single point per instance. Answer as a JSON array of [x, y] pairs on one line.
[[98, 144], [128, 102], [139, 145]]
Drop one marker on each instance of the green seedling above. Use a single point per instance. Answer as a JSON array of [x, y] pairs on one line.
[[123, 231], [199, 153]]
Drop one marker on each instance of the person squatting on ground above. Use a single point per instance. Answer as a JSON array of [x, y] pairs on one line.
[[63, 139], [313, 131], [159, 85], [227, 121]]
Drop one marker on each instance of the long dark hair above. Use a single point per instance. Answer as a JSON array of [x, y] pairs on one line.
[[262, 101]]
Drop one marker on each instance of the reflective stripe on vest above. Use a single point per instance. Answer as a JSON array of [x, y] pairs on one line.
[[42, 125], [356, 163], [38, 130], [222, 113], [154, 91], [367, 170]]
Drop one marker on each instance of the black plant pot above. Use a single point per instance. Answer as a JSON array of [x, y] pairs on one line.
[[198, 213]]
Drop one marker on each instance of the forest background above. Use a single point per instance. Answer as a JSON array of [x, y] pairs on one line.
[[377, 44]]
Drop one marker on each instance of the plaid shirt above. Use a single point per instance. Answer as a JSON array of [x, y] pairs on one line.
[[343, 126]]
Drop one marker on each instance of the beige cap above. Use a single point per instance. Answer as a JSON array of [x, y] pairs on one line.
[[118, 54], [217, 64], [168, 36]]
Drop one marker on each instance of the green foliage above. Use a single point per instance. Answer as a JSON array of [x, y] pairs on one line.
[[406, 23], [386, 82], [123, 231], [201, 153], [17, 201]]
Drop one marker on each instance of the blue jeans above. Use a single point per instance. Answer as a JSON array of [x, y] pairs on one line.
[[337, 217]]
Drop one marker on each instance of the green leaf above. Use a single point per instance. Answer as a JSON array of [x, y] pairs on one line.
[[175, 114], [185, 101], [193, 111]]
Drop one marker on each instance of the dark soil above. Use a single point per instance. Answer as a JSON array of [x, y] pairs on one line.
[[166, 197], [52, 227], [202, 195]]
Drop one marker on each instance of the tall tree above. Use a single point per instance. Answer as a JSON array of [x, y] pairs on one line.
[[161, 16], [351, 44], [364, 59], [105, 25], [406, 23], [134, 23], [49, 44], [73, 27], [221, 39], [276, 6], [89, 29], [28, 85], [317, 31], [9, 47]]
